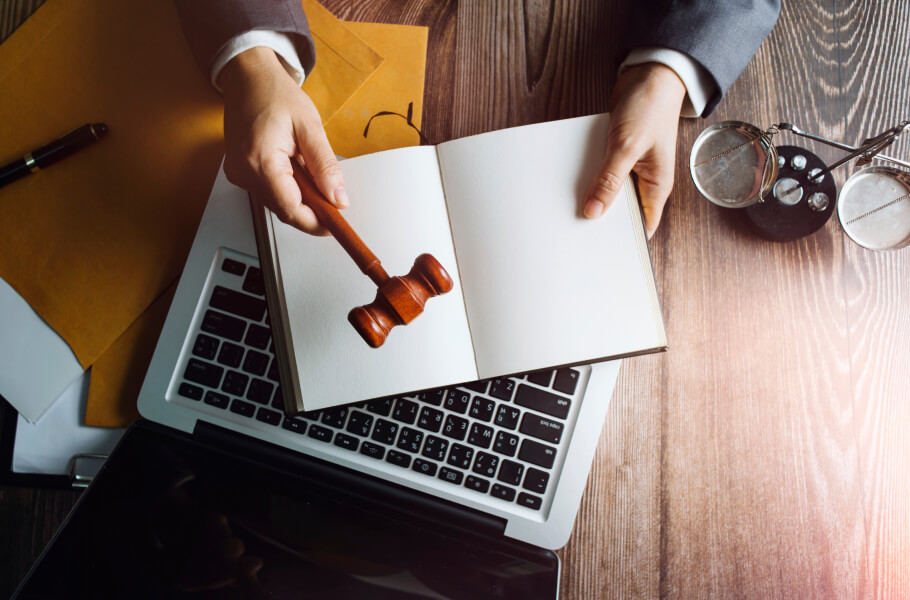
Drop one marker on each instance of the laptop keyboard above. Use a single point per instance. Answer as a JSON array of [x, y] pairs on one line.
[[502, 438]]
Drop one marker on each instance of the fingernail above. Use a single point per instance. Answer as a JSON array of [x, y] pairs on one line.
[[594, 208], [341, 197]]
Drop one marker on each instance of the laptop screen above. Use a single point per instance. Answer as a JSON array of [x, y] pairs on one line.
[[170, 518]]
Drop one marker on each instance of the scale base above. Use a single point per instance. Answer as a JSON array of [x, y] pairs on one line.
[[789, 216]]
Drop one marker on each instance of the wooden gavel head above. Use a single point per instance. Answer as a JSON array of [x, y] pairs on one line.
[[399, 300]]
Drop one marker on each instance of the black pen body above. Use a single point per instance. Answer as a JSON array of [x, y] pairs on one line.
[[48, 154], [13, 171]]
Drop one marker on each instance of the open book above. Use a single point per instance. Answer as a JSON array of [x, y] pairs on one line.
[[536, 284]]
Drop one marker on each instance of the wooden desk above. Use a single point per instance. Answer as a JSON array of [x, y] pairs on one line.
[[767, 454]]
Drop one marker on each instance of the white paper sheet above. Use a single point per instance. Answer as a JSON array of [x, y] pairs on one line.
[[36, 365], [47, 446]]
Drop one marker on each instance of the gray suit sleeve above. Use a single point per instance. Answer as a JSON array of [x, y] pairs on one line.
[[720, 35], [210, 24]]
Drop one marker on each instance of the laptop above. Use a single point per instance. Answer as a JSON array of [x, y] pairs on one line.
[[504, 462]]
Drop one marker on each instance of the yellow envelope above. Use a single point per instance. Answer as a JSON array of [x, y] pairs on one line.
[[117, 375], [398, 83], [343, 61]]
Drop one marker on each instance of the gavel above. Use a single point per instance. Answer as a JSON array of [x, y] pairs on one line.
[[399, 300]]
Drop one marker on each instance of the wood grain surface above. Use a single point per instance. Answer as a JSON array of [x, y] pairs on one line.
[[767, 454]]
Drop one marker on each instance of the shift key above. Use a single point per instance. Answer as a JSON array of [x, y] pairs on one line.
[[542, 401]]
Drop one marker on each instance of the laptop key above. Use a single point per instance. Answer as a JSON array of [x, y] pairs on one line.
[[460, 456], [477, 484], [399, 459], [206, 346], [381, 407], [502, 492], [217, 400], [278, 399], [294, 424], [360, 423], [252, 283], [507, 416], [433, 397], [410, 440], [451, 475], [542, 401], [260, 391], [273, 371], [258, 336], [430, 419], [203, 373], [242, 408], [478, 386], [335, 417], [566, 381], [268, 416], [455, 427], [541, 377], [188, 390], [536, 480], [506, 443], [510, 472], [234, 267], [528, 501], [256, 363], [480, 436], [458, 400], [385, 432], [372, 450], [348, 442], [424, 466], [486, 464], [230, 354], [542, 428], [235, 383], [539, 454], [236, 303], [318, 432], [312, 415], [405, 411], [502, 388], [482, 409], [435, 447], [223, 325]]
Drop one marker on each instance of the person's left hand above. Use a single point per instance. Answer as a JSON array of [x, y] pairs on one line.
[[641, 138]]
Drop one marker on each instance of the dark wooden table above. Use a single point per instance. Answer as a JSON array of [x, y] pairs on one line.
[[767, 454]]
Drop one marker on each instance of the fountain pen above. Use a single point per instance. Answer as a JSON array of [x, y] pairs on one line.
[[48, 154]]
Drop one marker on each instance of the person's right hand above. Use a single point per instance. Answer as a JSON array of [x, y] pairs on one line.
[[268, 122]]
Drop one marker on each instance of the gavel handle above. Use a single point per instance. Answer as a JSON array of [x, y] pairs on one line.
[[331, 219]]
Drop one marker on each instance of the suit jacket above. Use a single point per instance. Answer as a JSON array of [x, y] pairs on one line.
[[210, 24], [720, 35]]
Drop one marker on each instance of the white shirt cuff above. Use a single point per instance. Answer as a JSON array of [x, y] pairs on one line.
[[279, 42], [699, 85]]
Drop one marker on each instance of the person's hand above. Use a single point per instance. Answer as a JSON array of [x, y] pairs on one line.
[[641, 137], [268, 122]]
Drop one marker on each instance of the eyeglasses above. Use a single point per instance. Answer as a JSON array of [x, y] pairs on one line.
[[788, 192]]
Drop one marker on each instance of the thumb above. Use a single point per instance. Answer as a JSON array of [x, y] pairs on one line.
[[608, 182], [323, 167]]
